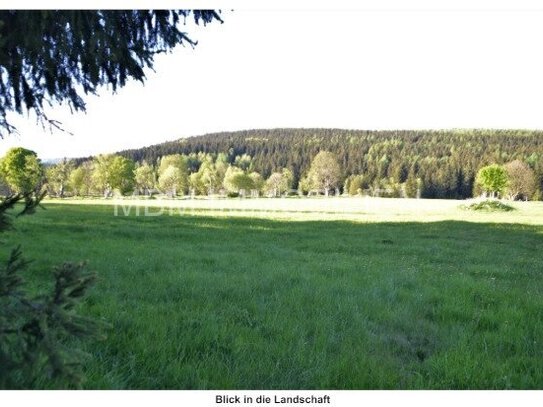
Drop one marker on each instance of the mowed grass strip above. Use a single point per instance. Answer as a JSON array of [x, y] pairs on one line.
[[241, 303]]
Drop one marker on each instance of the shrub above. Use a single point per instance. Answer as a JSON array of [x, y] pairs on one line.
[[489, 205], [38, 333]]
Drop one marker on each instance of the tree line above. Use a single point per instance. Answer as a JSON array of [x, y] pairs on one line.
[[445, 162], [440, 163], [391, 170]]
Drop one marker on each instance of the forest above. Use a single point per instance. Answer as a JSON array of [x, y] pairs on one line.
[[444, 163], [455, 164]]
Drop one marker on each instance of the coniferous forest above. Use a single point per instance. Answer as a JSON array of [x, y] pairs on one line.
[[441, 163]]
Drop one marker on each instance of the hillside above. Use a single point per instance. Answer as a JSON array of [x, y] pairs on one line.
[[445, 161]]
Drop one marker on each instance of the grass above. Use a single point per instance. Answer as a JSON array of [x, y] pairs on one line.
[[361, 209], [222, 302]]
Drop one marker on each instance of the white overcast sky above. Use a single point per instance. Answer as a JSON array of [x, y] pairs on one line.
[[386, 69]]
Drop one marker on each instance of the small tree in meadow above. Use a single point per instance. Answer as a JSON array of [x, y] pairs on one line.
[[492, 179]]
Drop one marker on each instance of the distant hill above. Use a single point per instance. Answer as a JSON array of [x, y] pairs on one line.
[[446, 161]]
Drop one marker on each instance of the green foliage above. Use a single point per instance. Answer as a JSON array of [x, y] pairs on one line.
[[58, 177], [304, 186], [31, 201], [243, 162], [171, 180], [62, 55], [173, 174], [208, 178], [236, 180], [444, 163], [122, 174], [413, 164], [145, 177], [492, 179], [21, 169], [489, 205], [354, 185], [101, 176], [231, 174], [256, 181], [242, 181], [278, 183], [325, 172], [81, 179], [37, 333], [289, 177], [113, 172], [412, 187]]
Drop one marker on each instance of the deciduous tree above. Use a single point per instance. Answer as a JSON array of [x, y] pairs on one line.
[[173, 174], [21, 169], [492, 179], [80, 180], [236, 180], [58, 176], [258, 182], [171, 181], [521, 177], [276, 184], [145, 177], [325, 172]]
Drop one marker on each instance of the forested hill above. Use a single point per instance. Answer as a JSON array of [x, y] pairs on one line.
[[446, 161]]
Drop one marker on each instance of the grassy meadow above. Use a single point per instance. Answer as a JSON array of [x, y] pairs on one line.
[[378, 294]]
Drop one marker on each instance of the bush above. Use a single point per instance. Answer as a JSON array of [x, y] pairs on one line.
[[489, 205]]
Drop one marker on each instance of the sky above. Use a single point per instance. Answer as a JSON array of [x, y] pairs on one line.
[[366, 69]]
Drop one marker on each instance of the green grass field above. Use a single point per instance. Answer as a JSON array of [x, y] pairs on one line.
[[437, 299]]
